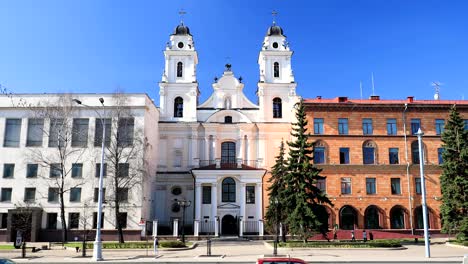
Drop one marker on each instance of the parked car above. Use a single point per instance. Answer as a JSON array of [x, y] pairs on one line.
[[280, 260], [6, 261]]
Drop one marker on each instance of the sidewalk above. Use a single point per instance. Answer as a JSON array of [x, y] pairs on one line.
[[248, 252]]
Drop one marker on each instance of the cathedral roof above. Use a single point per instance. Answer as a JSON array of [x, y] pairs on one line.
[[275, 30], [182, 29]]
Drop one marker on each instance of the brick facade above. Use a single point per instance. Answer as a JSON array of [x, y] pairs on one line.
[[381, 209]]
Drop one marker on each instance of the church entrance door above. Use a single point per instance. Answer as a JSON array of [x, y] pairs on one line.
[[228, 225]]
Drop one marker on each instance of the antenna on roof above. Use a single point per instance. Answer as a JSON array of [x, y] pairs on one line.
[[274, 14], [360, 88], [182, 13], [373, 87], [437, 85]]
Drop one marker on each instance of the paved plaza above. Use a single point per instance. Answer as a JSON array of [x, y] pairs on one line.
[[249, 251]]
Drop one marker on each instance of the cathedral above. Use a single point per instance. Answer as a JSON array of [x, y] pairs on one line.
[[216, 154]]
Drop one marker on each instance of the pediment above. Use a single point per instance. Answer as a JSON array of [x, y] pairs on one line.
[[228, 206], [237, 117]]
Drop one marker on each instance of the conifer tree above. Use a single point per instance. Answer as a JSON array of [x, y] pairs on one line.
[[275, 214], [454, 178], [301, 199]]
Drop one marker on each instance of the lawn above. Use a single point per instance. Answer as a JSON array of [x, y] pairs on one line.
[[342, 244], [132, 244], [5, 247]]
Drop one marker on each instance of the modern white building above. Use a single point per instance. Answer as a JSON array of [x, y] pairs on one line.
[[38, 128], [216, 154]]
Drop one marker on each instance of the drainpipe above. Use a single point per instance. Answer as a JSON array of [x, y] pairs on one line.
[[407, 171]]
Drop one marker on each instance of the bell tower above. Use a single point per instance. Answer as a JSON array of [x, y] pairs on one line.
[[276, 88], [179, 86]]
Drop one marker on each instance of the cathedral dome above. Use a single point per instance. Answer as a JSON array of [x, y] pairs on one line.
[[181, 30], [275, 31]]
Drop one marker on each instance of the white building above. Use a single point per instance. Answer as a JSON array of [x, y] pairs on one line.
[[216, 154], [29, 146]]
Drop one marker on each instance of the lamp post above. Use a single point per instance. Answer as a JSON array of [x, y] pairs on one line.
[[97, 248], [275, 245], [184, 204], [423, 193]]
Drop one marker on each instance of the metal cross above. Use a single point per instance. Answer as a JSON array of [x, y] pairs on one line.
[[274, 14], [182, 13]]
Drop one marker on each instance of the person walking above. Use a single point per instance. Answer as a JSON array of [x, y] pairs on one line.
[[364, 235], [353, 239], [155, 247]]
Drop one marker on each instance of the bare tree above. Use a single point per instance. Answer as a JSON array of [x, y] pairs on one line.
[[67, 142], [125, 148]]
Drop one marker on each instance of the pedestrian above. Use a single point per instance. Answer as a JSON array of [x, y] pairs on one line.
[[352, 236], [364, 235], [371, 236], [335, 236], [155, 246]]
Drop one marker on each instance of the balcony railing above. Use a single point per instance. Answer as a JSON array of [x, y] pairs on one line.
[[227, 165]]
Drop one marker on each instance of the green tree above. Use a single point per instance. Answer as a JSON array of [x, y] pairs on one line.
[[275, 214], [302, 200], [454, 178]]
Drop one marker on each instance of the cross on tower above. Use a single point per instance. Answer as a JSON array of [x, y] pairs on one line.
[[274, 14], [182, 13]]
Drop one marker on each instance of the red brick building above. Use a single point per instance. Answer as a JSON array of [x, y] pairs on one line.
[[369, 154]]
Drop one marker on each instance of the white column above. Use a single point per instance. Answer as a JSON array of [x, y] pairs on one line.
[[196, 227], [175, 232], [242, 200], [239, 148], [207, 149], [246, 151], [241, 227], [214, 205], [155, 228], [194, 145], [198, 200], [213, 148], [258, 200]]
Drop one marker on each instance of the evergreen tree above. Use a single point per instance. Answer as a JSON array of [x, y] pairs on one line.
[[301, 199], [454, 178], [275, 214]]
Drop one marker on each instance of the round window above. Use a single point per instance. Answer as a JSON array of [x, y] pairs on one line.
[[275, 45], [180, 45], [175, 207], [176, 190]]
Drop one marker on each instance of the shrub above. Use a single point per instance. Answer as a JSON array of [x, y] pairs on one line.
[[172, 244]]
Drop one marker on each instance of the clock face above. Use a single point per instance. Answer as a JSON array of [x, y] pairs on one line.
[[180, 45], [275, 45]]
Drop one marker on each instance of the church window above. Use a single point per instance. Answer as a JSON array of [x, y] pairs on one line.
[[250, 194], [179, 69], [180, 45], [228, 119], [275, 45], [179, 107], [206, 195], [277, 111], [227, 103], [276, 69], [228, 153], [229, 191]]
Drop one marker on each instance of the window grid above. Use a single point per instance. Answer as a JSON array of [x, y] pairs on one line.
[[31, 170], [228, 191], [345, 185], [98, 131], [29, 194], [73, 220], [12, 132], [318, 126], [125, 132], [393, 155], [322, 185], [415, 125], [370, 186], [77, 170], [6, 195], [8, 170], [395, 185], [440, 152], [343, 126], [439, 126], [319, 155], [277, 108], [75, 195], [249, 194], [80, 132], [417, 185], [344, 155], [178, 107], [391, 126], [367, 126], [35, 131], [206, 194]]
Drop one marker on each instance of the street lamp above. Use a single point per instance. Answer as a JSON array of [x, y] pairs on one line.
[[97, 248], [423, 193], [275, 244], [184, 204]]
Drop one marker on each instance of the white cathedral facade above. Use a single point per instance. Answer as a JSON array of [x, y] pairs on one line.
[[216, 154]]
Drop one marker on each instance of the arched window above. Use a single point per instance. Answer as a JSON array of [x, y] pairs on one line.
[[228, 191], [372, 217], [415, 152], [319, 152], [276, 69], [397, 217], [227, 102], [348, 217], [178, 107], [368, 152], [228, 153], [180, 67], [228, 119], [277, 108]]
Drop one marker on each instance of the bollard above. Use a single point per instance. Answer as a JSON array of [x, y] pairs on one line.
[[465, 259], [208, 247]]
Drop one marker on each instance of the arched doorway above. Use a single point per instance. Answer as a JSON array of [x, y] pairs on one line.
[[419, 219], [397, 217], [229, 225], [372, 217], [348, 217]]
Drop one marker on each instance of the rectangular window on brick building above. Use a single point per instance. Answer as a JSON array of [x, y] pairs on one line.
[[344, 155], [440, 151], [415, 125], [367, 126], [395, 185], [343, 126], [319, 155], [322, 185], [370, 186], [206, 194], [391, 126], [439, 126], [466, 124], [318, 126], [417, 185], [368, 155], [345, 185], [393, 155]]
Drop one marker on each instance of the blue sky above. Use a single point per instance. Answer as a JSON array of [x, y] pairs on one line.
[[99, 46]]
